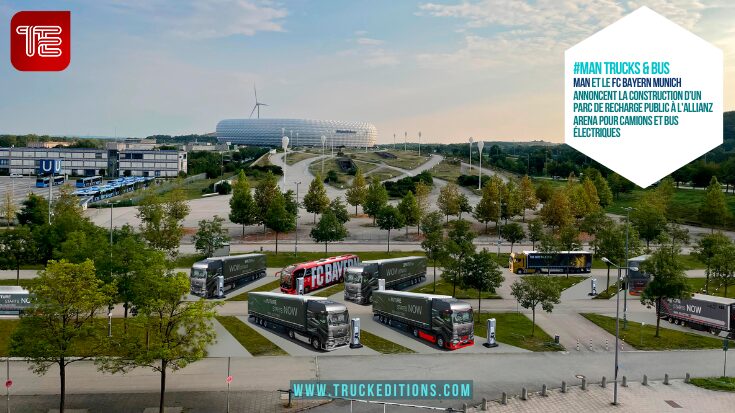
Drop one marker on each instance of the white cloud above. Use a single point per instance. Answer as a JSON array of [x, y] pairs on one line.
[[368, 41], [371, 51]]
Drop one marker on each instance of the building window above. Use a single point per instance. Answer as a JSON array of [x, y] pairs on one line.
[[98, 155], [158, 173], [3, 161]]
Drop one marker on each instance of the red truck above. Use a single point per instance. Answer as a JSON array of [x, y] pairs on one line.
[[316, 274]]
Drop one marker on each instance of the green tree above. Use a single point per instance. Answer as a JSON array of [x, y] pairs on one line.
[[535, 231], [375, 199], [512, 201], [544, 190], [610, 242], [707, 247], [34, 211], [488, 209], [409, 208], [339, 210], [530, 291], [17, 247], [557, 212], [265, 192], [328, 229], [162, 219], [723, 265], [390, 218], [8, 209], [177, 331], [448, 201], [669, 280], [458, 246], [357, 192], [58, 327], [278, 218], [568, 240], [649, 218], [482, 274], [434, 242], [603, 190], [210, 236], [422, 198], [289, 197], [528, 195], [243, 209], [512, 233], [316, 200], [464, 205], [593, 223], [714, 211]]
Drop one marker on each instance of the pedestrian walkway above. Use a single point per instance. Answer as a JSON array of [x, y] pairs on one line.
[[226, 345], [572, 327]]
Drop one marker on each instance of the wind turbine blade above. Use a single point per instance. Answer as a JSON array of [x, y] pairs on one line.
[[263, 104], [253, 111], [256, 94]]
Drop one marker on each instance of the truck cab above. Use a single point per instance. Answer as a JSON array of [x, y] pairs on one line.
[[203, 277], [359, 281], [453, 323], [328, 324]]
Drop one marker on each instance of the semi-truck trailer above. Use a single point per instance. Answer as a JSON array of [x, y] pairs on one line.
[[361, 280], [702, 312], [439, 319], [316, 274], [526, 262], [235, 269], [323, 323]]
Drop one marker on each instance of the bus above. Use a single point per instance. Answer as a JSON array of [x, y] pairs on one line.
[[89, 181], [316, 274], [526, 262], [637, 280], [42, 181]]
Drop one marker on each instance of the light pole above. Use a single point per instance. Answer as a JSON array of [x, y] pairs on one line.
[[405, 141], [324, 140], [284, 144], [481, 145], [471, 140], [296, 244], [394, 141], [419, 143], [617, 325], [627, 278], [297, 139]]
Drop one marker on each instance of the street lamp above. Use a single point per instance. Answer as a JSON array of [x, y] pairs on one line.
[[617, 323], [405, 141], [284, 144], [480, 145], [394, 141], [627, 278], [324, 140], [471, 140], [419, 143], [296, 244]]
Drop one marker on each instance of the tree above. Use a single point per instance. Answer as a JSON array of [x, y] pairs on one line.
[[409, 208], [243, 209], [557, 212], [530, 291], [289, 197], [707, 247], [8, 209], [278, 218], [357, 192], [210, 236], [17, 247], [177, 331], [669, 280], [610, 243], [458, 246], [162, 219], [482, 274], [328, 229], [448, 201], [544, 191], [568, 240], [265, 192], [316, 199], [714, 211], [593, 223], [488, 209], [603, 190], [649, 218], [528, 195], [422, 199], [58, 328], [339, 210], [434, 243], [512, 233], [512, 201], [375, 199], [535, 231], [34, 211], [723, 265], [390, 218]]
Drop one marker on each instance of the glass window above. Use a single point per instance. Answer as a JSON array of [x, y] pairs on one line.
[[199, 273], [461, 317], [337, 319], [353, 277]]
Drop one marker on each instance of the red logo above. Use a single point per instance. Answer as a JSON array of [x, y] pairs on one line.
[[40, 41]]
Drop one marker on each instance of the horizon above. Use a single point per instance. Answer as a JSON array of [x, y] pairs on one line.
[[483, 68]]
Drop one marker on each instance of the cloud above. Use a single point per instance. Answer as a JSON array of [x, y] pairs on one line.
[[371, 51], [368, 41]]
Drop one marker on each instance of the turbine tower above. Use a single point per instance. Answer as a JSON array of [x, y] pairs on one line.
[[257, 104]]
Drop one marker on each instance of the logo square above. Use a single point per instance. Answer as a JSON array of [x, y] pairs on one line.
[[40, 41]]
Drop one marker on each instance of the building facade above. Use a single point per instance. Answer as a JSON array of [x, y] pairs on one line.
[[90, 162], [301, 132]]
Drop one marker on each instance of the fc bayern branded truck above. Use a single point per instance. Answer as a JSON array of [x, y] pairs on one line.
[[361, 280], [325, 324], [439, 319], [235, 269], [316, 274], [702, 312]]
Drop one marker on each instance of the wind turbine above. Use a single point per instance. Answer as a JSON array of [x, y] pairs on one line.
[[257, 104]]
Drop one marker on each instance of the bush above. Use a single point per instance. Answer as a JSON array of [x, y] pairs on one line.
[[258, 171], [471, 180], [224, 188], [331, 176], [401, 187]]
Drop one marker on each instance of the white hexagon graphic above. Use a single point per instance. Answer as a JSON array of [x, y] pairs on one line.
[[642, 152]]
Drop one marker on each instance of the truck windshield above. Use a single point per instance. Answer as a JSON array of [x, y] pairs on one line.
[[199, 273], [353, 277], [286, 276], [461, 317], [337, 319]]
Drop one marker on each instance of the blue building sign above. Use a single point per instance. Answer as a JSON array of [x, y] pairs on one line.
[[49, 166]]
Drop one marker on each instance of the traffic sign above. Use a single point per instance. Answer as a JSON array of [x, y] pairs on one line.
[[228, 379], [725, 344], [9, 384]]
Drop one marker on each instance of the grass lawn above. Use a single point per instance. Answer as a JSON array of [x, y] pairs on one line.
[[6, 329], [331, 165], [294, 157], [515, 329], [608, 293], [333, 289], [644, 339], [715, 383], [382, 345], [697, 285], [573, 280], [12, 281], [265, 287], [254, 343], [447, 171], [193, 190], [384, 173], [444, 287]]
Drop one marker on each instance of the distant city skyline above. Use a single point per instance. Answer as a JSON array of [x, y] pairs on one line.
[[491, 69]]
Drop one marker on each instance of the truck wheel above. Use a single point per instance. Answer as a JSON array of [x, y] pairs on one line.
[[519, 271], [390, 322], [315, 343], [291, 334], [415, 332], [370, 299], [440, 342]]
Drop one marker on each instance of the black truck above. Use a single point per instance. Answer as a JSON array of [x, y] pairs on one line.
[[702, 312], [439, 319], [236, 269], [362, 279], [325, 324]]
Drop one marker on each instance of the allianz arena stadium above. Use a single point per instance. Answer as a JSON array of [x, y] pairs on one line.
[[301, 132]]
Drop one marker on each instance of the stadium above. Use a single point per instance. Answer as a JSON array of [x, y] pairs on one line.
[[301, 132]]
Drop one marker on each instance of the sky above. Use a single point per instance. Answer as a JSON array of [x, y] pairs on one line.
[[490, 69]]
